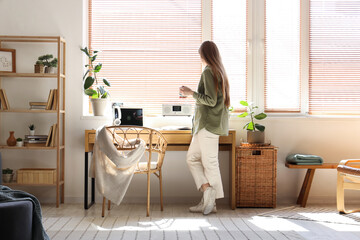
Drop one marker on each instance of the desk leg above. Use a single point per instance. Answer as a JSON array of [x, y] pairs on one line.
[[86, 187], [232, 171], [305, 189]]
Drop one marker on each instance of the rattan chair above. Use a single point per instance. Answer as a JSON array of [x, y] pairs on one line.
[[124, 138], [348, 177]]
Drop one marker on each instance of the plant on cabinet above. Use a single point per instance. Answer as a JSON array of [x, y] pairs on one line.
[[98, 93], [255, 131]]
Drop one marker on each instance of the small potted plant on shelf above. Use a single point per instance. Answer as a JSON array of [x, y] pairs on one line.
[[92, 87], [7, 175], [32, 129], [39, 67], [255, 131], [49, 62], [19, 142]]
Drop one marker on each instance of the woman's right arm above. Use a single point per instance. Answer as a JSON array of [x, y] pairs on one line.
[[209, 97]]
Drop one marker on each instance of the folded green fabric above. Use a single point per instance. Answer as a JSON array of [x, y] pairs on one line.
[[303, 159], [309, 163]]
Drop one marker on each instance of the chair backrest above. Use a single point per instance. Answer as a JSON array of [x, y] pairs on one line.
[[128, 137]]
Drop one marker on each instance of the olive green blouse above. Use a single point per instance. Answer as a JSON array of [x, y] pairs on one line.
[[210, 110]]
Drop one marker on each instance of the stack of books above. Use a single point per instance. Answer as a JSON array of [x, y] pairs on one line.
[[35, 140], [4, 101], [38, 105], [51, 103]]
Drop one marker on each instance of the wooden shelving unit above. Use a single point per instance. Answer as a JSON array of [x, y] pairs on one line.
[[60, 77]]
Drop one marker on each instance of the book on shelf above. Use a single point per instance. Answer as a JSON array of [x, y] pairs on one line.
[[51, 141], [50, 100], [54, 103], [37, 105], [54, 135], [35, 144], [48, 140], [35, 136], [4, 100]]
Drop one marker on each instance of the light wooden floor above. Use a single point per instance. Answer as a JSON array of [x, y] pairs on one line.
[[128, 221]]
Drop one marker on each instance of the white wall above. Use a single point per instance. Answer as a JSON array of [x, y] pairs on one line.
[[332, 138]]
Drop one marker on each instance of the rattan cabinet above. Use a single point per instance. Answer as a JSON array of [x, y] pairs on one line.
[[255, 181]]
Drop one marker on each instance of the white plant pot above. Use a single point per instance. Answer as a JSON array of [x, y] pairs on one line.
[[32, 132], [255, 137], [20, 144], [99, 106], [7, 178]]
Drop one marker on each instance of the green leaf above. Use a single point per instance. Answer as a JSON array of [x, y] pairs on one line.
[[95, 95], [90, 92], [88, 82], [87, 71], [250, 126], [104, 95], [245, 125], [98, 67], [106, 82], [231, 108], [244, 103], [85, 50], [243, 115], [93, 58], [260, 116], [259, 127], [95, 52]]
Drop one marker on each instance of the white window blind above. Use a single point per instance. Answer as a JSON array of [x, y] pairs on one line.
[[282, 56], [229, 32], [149, 48], [334, 57]]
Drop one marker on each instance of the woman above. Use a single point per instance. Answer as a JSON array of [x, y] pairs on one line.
[[209, 122]]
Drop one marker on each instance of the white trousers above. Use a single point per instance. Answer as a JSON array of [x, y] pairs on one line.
[[202, 159]]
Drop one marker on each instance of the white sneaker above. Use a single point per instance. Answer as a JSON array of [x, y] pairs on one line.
[[209, 200], [200, 207]]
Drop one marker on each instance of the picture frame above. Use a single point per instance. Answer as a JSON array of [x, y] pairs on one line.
[[7, 60]]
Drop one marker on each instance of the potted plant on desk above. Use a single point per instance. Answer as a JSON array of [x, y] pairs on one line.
[[255, 131], [98, 93]]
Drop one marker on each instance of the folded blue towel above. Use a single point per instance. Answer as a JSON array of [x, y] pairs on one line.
[[304, 159]]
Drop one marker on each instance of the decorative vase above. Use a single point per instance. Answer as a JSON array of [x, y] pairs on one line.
[[32, 132], [255, 137], [11, 141], [99, 106]]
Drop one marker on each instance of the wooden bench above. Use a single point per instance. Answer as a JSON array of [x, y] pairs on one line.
[[305, 189]]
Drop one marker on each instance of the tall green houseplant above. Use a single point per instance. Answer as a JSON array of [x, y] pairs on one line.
[[90, 77]]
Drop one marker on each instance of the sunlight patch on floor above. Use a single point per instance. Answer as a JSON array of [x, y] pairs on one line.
[[276, 224], [164, 224], [329, 217]]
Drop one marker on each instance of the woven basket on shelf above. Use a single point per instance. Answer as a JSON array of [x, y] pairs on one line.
[[255, 181]]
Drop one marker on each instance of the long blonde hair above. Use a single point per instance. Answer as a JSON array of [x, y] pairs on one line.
[[210, 53]]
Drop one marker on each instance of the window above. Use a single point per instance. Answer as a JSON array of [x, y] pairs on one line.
[[229, 32], [282, 56], [334, 74], [148, 48]]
